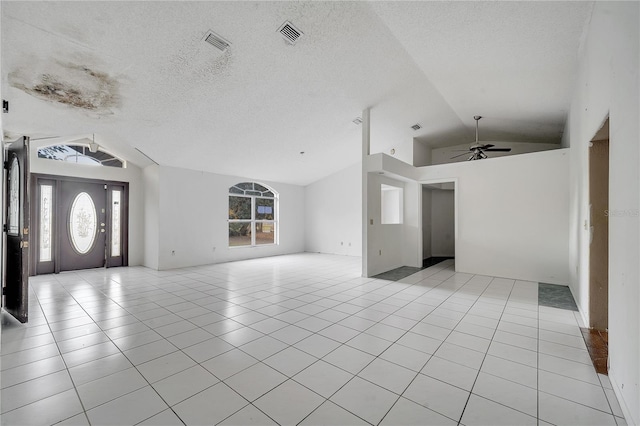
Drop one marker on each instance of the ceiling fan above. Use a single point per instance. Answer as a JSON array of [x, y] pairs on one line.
[[478, 150]]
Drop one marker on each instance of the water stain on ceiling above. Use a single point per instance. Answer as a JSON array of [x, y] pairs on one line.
[[76, 85]]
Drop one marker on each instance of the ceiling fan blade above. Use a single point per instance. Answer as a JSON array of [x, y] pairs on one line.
[[459, 155], [486, 146], [44, 138], [497, 149]]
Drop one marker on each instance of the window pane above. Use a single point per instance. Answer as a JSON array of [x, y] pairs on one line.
[[79, 154], [115, 223], [265, 233], [83, 223], [46, 193], [14, 198], [239, 207], [239, 234], [258, 187], [245, 185], [264, 208]]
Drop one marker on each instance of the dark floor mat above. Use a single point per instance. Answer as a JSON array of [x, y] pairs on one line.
[[398, 273], [404, 271], [433, 261], [556, 296]]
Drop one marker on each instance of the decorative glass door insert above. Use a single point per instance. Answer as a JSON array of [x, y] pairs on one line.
[[83, 221], [46, 222]]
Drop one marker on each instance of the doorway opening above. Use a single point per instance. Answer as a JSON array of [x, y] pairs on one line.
[[599, 247], [78, 224], [438, 222], [599, 229]]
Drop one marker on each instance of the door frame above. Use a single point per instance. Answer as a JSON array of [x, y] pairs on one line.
[[435, 182], [35, 206]]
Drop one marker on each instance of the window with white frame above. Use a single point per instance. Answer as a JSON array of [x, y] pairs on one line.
[[252, 215]]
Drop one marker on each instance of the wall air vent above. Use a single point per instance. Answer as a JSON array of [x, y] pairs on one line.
[[416, 127], [290, 33], [357, 121], [216, 41]]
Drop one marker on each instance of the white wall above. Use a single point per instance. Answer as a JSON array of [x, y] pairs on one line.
[[442, 223], [422, 154], [426, 222], [131, 174], [384, 242], [607, 83], [194, 210], [512, 214], [391, 246], [412, 225], [443, 155], [333, 217], [151, 179]]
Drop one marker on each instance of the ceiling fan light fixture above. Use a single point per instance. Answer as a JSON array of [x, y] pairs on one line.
[[93, 146], [477, 150]]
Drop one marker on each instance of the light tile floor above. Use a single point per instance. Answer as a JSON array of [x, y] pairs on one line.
[[299, 339]]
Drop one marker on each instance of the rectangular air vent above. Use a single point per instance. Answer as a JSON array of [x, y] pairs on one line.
[[416, 127], [216, 41], [289, 32], [357, 121]]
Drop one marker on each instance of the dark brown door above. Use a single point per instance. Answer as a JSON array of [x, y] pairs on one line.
[[82, 225], [16, 282]]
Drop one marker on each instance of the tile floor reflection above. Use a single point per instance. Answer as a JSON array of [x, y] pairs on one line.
[[299, 339]]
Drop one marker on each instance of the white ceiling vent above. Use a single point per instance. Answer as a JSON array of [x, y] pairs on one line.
[[216, 41], [289, 32], [416, 127], [357, 121]]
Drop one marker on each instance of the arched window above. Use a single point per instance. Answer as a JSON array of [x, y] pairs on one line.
[[80, 154], [253, 215]]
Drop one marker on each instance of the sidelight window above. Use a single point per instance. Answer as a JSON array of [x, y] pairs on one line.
[[46, 223]]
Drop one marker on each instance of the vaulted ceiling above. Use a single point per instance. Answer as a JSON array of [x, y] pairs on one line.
[[139, 76]]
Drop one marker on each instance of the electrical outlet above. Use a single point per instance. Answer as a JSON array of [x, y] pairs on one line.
[[341, 243], [173, 252], [379, 252]]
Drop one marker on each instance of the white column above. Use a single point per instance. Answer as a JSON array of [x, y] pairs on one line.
[[366, 148]]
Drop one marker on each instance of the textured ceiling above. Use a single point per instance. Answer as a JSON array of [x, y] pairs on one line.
[[139, 76]]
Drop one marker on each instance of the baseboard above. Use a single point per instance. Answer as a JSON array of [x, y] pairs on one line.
[[623, 404]]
